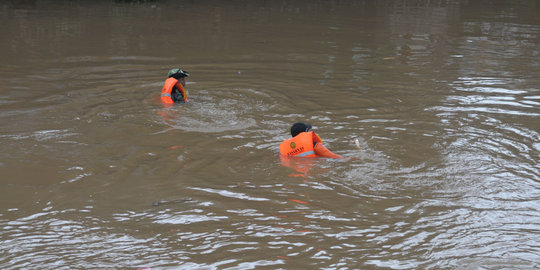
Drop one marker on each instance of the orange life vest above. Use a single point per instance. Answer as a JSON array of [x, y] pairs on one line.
[[300, 146], [168, 87]]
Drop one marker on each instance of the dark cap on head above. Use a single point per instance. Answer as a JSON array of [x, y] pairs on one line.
[[299, 127], [178, 73]]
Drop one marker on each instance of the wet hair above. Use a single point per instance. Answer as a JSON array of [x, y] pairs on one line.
[[299, 127]]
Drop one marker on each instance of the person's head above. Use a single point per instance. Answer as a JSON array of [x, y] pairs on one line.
[[299, 127], [179, 74]]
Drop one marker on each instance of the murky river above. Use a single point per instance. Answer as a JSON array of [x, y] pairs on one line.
[[443, 97]]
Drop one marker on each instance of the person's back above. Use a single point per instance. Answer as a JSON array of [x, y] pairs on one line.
[[301, 145], [305, 143]]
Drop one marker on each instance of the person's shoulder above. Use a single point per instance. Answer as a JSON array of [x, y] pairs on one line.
[[316, 137]]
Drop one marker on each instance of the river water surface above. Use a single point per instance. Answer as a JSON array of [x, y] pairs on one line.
[[442, 96]]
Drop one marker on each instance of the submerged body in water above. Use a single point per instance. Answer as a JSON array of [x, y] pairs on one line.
[[173, 90], [305, 143]]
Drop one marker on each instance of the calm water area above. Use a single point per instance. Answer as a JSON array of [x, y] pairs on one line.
[[442, 96]]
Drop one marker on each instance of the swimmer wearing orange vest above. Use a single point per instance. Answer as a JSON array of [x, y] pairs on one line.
[[174, 87], [304, 143]]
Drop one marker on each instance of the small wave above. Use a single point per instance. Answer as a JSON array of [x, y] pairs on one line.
[[42, 135], [227, 193], [217, 111]]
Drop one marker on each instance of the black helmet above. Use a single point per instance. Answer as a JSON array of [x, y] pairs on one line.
[[178, 72], [299, 127]]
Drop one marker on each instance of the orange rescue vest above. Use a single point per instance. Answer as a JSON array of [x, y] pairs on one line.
[[168, 87], [300, 146]]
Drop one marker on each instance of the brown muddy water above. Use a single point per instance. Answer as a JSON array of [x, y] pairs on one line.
[[443, 97]]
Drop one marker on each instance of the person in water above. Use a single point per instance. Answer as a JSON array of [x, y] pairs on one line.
[[174, 88], [305, 143]]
